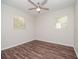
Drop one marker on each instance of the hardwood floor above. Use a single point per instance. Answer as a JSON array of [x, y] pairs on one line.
[[39, 50]]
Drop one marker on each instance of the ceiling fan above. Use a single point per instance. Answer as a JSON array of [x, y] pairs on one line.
[[38, 6]]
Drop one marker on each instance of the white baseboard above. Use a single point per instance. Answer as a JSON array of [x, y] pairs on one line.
[[76, 52]]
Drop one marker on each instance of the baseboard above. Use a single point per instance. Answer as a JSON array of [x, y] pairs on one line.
[[76, 52], [14, 45]]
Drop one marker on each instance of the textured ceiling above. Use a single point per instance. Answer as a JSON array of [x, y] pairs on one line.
[[51, 4]]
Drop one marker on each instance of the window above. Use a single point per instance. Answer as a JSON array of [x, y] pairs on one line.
[[61, 22], [19, 22]]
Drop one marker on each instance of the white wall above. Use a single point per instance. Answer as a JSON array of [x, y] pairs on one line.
[[46, 29], [10, 36], [76, 28]]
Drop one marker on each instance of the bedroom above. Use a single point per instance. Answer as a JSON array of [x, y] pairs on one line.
[[56, 26]]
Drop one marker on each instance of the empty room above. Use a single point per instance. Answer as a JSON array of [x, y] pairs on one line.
[[39, 29]]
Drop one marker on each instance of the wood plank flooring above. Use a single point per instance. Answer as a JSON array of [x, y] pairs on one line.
[[39, 50]]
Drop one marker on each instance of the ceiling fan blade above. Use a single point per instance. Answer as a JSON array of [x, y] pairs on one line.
[[31, 8], [32, 3], [44, 2], [44, 8]]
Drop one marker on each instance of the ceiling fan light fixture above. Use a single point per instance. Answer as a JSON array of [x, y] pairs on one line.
[[39, 6], [38, 9]]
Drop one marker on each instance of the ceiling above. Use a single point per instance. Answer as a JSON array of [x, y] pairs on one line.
[[51, 4]]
